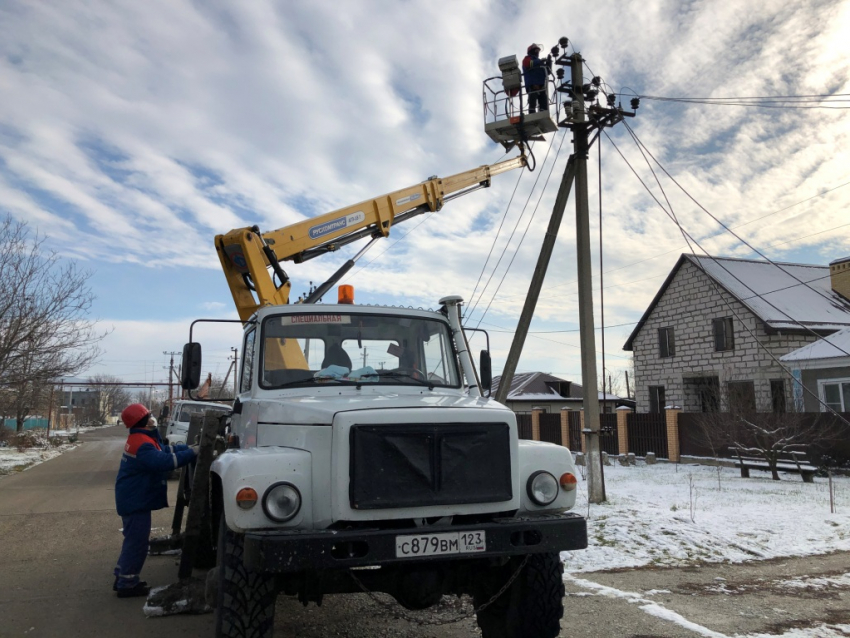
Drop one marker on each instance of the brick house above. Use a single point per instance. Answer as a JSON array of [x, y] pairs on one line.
[[717, 327]]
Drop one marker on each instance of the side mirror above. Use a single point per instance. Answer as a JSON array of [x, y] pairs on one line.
[[163, 414], [486, 369], [190, 375]]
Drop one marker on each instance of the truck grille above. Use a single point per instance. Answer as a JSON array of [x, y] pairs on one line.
[[429, 464]]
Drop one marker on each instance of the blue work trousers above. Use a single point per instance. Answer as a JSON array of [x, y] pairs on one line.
[[134, 551]]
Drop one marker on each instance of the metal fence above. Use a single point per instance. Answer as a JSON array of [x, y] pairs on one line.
[[826, 437], [609, 440], [648, 433], [550, 428], [575, 431], [609, 437], [523, 421]]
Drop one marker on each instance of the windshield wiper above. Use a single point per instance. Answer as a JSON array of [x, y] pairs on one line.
[[402, 375]]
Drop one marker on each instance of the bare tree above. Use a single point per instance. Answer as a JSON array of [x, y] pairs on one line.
[[762, 433], [110, 398], [45, 332]]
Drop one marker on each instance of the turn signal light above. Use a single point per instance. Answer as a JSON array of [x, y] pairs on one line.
[[346, 294], [568, 481], [246, 498]]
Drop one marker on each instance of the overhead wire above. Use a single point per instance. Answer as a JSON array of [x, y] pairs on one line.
[[739, 238], [525, 232], [496, 238], [688, 238], [475, 302]]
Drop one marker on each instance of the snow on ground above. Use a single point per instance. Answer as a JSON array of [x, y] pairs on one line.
[[666, 514], [13, 459]]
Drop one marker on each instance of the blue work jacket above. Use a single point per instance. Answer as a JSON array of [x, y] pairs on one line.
[[533, 71], [145, 465]]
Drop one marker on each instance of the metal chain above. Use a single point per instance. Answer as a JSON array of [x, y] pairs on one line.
[[396, 609]]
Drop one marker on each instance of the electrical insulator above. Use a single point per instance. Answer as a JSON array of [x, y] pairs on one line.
[[555, 51], [591, 95], [585, 88], [611, 99], [563, 42], [635, 103], [596, 81]]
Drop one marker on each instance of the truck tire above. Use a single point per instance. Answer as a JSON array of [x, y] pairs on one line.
[[245, 600], [531, 607]]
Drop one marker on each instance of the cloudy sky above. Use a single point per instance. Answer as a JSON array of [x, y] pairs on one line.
[[133, 132]]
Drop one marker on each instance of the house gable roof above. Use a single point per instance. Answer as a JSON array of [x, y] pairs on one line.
[[835, 346], [772, 294], [539, 386]]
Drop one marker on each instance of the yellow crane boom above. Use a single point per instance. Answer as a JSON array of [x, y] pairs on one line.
[[246, 254]]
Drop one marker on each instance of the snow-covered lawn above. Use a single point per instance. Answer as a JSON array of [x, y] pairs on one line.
[[668, 515]]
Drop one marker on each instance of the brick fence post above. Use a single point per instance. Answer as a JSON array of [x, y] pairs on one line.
[[672, 417], [583, 435], [565, 427], [535, 424], [623, 429]]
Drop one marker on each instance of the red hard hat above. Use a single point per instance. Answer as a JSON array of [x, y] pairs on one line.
[[533, 46], [133, 414]]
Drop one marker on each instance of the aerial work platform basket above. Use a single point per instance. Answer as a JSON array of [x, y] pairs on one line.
[[507, 119]]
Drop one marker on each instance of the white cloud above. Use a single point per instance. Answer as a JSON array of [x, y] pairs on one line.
[[153, 126]]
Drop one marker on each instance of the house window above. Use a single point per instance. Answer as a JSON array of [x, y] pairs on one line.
[[709, 394], [666, 346], [777, 396], [724, 338], [656, 399], [835, 393], [742, 396]]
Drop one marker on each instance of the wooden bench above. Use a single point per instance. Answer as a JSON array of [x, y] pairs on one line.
[[787, 462]]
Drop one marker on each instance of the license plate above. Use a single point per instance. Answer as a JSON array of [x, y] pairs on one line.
[[437, 544]]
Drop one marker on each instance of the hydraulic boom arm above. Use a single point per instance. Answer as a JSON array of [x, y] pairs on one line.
[[246, 253]]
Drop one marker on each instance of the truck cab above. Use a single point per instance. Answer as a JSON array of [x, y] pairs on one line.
[[177, 422], [364, 454]]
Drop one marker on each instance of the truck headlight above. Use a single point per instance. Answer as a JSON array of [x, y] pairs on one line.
[[542, 487], [281, 502]]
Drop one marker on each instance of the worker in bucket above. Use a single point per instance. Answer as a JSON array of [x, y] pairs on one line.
[[534, 72], [141, 488]]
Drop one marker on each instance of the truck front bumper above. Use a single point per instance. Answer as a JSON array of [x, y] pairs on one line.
[[292, 551]]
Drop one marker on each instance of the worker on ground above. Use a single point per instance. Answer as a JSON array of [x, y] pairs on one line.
[[534, 72], [139, 489]]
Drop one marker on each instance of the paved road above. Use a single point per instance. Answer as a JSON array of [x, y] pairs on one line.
[[59, 538]]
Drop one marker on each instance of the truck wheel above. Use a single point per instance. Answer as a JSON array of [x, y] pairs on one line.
[[245, 600], [532, 606]]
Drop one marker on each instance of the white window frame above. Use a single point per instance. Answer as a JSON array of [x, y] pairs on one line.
[[822, 393]]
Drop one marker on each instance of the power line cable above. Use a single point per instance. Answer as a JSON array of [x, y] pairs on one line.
[[496, 238], [739, 238], [525, 232], [474, 303], [688, 238]]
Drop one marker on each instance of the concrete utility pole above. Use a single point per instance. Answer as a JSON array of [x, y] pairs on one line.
[[595, 482], [536, 281], [170, 377]]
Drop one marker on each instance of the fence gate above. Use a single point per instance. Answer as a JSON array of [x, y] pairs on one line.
[[523, 422], [648, 433], [550, 427]]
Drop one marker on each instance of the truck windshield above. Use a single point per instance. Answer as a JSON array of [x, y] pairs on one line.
[[188, 409], [318, 349]]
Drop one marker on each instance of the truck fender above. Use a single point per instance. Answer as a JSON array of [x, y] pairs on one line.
[[259, 469], [555, 459]]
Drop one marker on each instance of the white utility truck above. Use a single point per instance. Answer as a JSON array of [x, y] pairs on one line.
[[363, 452]]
